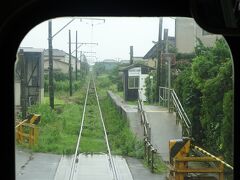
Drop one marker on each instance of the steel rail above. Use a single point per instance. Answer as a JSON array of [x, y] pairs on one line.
[[112, 163], [79, 136]]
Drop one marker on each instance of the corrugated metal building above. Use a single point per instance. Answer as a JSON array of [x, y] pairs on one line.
[[29, 82], [134, 80]]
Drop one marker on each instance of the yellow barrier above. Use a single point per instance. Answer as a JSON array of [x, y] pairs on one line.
[[179, 158], [179, 169], [27, 133], [27, 130]]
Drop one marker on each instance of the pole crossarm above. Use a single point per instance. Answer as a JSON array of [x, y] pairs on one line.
[[63, 28], [80, 44]]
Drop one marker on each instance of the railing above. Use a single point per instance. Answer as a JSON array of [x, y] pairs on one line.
[[169, 98], [149, 150]]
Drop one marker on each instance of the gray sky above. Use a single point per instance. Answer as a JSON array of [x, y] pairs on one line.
[[114, 36]]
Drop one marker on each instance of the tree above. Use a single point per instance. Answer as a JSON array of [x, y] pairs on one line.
[[206, 90]]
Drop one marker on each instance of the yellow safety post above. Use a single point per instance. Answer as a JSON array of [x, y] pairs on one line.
[[221, 167], [35, 135], [178, 148]]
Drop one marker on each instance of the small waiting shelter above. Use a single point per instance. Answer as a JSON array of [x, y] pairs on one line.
[[134, 81], [29, 79]]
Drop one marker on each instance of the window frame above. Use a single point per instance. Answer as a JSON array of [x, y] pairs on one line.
[[134, 82]]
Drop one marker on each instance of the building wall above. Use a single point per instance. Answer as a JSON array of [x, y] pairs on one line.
[[186, 33], [208, 39], [185, 38], [57, 65]]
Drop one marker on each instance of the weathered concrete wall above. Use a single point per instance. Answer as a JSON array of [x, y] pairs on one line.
[[129, 112], [117, 103]]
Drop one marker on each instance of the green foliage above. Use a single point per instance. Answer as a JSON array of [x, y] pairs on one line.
[[58, 130], [205, 90], [122, 140], [150, 91], [99, 68], [187, 56]]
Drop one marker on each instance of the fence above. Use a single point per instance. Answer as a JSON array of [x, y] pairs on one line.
[[149, 151], [168, 98]]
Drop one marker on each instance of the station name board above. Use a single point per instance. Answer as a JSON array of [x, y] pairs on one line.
[[134, 71]]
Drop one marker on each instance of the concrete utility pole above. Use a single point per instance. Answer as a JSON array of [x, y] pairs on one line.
[[70, 65], [23, 77], [76, 57], [50, 38], [166, 58], [131, 55], [51, 88], [159, 64]]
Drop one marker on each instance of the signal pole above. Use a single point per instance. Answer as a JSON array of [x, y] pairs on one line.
[[76, 57], [70, 65], [159, 63], [50, 56], [51, 88], [131, 55]]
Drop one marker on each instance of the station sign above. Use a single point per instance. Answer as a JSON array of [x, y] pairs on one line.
[[134, 71]]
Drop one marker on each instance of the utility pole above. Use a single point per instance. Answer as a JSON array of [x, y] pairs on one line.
[[165, 57], [70, 65], [159, 64], [131, 55], [50, 38], [51, 88], [168, 60], [76, 57], [23, 77], [81, 73]]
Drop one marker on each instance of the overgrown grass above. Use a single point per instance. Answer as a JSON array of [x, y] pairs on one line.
[[159, 166], [121, 138], [58, 129], [92, 139]]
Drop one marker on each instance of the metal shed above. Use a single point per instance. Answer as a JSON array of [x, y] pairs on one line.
[[29, 78]]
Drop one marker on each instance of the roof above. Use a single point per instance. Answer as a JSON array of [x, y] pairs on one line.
[[133, 66], [56, 52], [125, 61], [135, 58], [109, 61], [31, 49], [152, 53]]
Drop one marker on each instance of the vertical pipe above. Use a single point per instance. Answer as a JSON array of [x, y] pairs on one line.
[[51, 88], [70, 65]]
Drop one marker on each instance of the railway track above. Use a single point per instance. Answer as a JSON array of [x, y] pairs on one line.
[[91, 95]]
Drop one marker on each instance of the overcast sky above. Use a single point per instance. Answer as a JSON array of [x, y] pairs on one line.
[[114, 36]]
